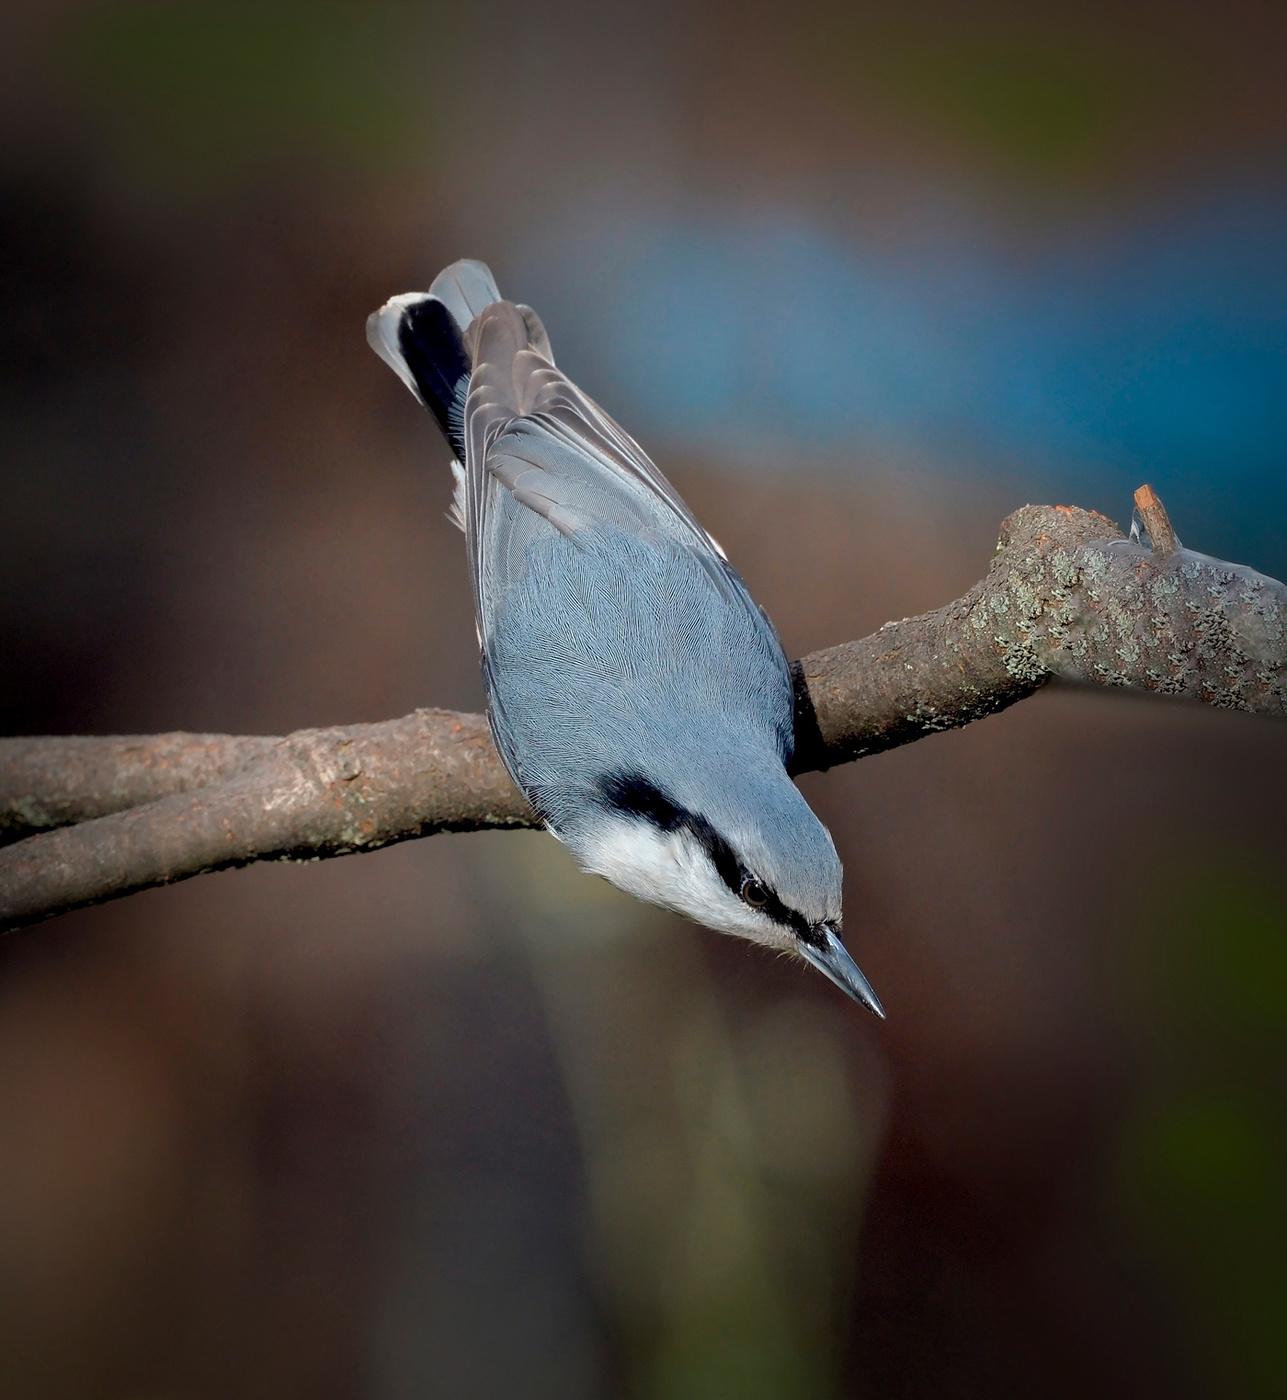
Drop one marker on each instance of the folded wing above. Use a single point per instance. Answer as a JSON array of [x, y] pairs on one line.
[[542, 456]]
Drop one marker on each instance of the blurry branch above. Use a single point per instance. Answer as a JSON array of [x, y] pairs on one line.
[[1066, 597]]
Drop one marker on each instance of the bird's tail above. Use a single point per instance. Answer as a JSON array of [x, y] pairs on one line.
[[424, 338], [421, 337]]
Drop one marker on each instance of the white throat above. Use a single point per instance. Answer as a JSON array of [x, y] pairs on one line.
[[672, 869]]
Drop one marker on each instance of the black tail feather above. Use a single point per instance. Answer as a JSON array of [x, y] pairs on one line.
[[434, 351]]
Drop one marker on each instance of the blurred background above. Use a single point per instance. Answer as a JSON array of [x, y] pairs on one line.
[[450, 1120]]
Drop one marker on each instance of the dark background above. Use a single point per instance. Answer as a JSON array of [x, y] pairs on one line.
[[451, 1120]]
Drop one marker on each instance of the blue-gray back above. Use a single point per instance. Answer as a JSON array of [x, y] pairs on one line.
[[610, 622], [611, 650]]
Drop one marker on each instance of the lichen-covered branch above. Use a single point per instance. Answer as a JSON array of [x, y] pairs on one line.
[[1066, 596]]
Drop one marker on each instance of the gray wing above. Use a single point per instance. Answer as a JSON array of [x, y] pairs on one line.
[[547, 467], [541, 455]]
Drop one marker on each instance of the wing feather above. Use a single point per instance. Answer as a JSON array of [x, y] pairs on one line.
[[537, 444], [546, 470]]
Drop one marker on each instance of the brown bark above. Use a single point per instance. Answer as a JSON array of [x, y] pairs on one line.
[[1066, 597], [1157, 523]]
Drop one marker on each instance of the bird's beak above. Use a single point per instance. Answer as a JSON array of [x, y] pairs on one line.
[[833, 961]]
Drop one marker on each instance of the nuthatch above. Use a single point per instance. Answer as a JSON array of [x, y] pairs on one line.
[[638, 696]]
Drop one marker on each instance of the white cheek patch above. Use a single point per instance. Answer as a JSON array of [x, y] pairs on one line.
[[671, 869]]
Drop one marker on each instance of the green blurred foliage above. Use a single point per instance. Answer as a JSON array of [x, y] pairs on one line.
[[1200, 1182], [1039, 103], [709, 1364], [206, 94], [1230, 960]]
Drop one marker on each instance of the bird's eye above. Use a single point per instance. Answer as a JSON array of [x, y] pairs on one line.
[[754, 893]]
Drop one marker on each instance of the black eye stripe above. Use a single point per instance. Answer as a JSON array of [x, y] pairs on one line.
[[788, 918], [633, 794]]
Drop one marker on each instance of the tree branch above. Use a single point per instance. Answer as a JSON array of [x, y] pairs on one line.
[[1066, 597], [1157, 523], [46, 783]]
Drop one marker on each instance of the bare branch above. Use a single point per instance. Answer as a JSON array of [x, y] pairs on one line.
[[316, 793], [46, 783], [1066, 597]]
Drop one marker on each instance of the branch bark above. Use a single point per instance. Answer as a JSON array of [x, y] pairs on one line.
[[1157, 523], [1066, 597]]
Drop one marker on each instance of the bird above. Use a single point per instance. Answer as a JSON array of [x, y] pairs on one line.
[[639, 697]]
